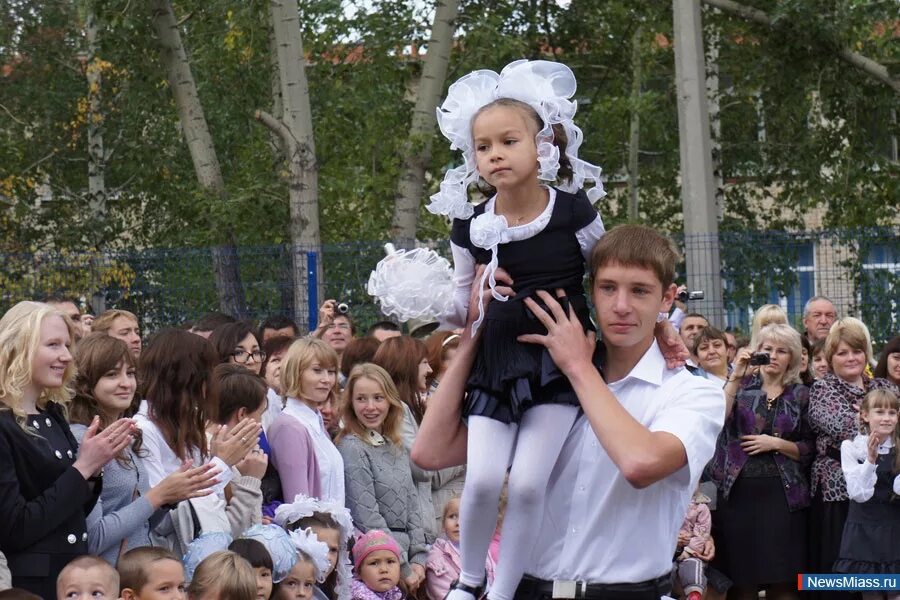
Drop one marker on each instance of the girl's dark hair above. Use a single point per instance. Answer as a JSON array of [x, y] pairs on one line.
[[325, 521], [272, 346], [881, 368], [95, 356], [225, 338], [358, 351], [253, 551], [236, 388], [560, 139], [175, 377], [400, 357]]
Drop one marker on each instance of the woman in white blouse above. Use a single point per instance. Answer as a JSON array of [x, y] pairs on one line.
[[175, 374], [304, 455]]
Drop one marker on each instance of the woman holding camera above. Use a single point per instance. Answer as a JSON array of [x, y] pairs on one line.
[[834, 416], [760, 469]]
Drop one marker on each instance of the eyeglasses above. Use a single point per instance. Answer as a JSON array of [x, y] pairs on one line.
[[242, 356]]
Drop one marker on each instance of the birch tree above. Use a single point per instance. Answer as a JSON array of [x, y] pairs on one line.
[[417, 149], [203, 153], [295, 132]]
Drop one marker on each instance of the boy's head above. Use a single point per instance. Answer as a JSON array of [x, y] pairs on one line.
[[148, 573], [632, 274], [88, 577]]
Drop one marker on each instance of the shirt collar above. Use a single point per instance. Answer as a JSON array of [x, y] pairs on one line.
[[300, 410], [649, 369]]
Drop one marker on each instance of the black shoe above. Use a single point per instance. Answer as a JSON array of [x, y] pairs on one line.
[[477, 592]]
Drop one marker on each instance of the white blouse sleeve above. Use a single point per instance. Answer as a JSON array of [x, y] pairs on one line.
[[589, 235], [463, 276], [860, 476]]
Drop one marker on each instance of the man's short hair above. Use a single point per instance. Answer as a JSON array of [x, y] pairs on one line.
[[637, 246], [134, 566], [103, 323], [814, 299], [695, 315], [277, 322], [383, 326], [18, 594], [91, 562], [210, 321]]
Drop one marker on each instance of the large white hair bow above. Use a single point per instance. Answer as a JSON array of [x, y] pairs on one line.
[[545, 86]]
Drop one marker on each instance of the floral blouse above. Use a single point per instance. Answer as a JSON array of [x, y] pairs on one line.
[[833, 419], [749, 418]]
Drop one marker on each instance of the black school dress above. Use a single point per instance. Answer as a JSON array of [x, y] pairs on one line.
[[509, 377], [871, 540], [43, 499]]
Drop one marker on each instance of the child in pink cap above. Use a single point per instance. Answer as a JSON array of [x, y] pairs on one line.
[[376, 562]]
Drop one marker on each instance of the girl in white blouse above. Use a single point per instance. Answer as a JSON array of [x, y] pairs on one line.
[[871, 465]]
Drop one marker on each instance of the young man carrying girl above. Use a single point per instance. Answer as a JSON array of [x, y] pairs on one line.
[[643, 424]]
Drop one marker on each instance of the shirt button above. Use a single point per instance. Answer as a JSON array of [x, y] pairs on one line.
[[47, 421], [69, 453], [71, 539], [58, 454], [37, 425], [84, 536]]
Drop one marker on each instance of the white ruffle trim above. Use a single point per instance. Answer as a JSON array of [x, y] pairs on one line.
[[413, 284], [545, 86]]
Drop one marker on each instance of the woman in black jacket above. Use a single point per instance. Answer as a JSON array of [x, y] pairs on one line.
[[47, 485]]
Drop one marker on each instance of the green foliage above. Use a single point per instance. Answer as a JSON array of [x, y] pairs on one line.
[[827, 126]]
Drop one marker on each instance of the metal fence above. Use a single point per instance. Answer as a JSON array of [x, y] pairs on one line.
[[858, 269]]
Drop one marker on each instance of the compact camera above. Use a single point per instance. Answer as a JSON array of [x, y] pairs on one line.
[[343, 308], [686, 295], [759, 358]]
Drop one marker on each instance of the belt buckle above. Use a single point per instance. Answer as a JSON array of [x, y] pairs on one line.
[[566, 589]]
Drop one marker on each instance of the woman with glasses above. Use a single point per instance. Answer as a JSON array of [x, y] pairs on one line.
[[237, 343]]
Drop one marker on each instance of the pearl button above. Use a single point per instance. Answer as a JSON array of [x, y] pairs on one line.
[[71, 539], [58, 454], [84, 536], [37, 425], [47, 421], [69, 453]]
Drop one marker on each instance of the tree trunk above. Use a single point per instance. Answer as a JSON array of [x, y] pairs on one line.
[[96, 152], [203, 153], [417, 150], [296, 132], [634, 140], [713, 95]]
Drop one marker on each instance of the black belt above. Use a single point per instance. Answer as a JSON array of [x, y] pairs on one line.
[[532, 588]]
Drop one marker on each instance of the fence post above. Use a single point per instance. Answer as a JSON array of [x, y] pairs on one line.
[[312, 289]]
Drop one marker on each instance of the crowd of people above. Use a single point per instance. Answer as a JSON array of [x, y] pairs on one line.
[[120, 461], [506, 455]]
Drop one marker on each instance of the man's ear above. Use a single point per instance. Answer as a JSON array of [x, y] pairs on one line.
[[128, 594], [668, 298]]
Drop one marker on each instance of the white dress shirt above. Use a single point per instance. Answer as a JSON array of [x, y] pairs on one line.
[[597, 528], [161, 461], [858, 471], [331, 464]]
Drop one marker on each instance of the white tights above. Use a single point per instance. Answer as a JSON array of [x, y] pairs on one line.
[[541, 435]]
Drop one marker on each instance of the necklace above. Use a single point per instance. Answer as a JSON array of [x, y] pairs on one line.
[[516, 221]]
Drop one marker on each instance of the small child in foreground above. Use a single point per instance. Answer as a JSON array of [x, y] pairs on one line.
[[88, 577], [149, 573], [376, 560]]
